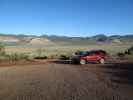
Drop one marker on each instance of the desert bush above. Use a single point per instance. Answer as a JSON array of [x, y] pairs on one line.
[[129, 51], [3, 55], [2, 49], [53, 56], [18, 57], [128, 54], [121, 54], [40, 57], [39, 52], [64, 57], [77, 52], [11, 57]]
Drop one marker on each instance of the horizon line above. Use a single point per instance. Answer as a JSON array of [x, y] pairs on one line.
[[32, 34]]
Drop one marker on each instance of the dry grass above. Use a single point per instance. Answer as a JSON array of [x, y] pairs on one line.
[[58, 50]]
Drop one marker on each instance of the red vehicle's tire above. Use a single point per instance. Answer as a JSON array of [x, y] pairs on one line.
[[102, 61], [82, 61]]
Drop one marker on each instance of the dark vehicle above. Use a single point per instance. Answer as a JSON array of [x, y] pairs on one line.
[[83, 57]]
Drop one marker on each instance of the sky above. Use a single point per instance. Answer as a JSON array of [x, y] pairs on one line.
[[66, 17]]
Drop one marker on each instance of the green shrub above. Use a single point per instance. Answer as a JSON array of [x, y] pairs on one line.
[[53, 56], [121, 55], [64, 57], [18, 57], [128, 54], [130, 51], [11, 57], [2, 50], [3, 55], [41, 57]]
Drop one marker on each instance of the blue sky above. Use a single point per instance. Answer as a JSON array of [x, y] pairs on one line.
[[66, 17]]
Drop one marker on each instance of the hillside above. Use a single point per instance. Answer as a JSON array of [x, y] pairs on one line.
[[63, 40], [40, 41]]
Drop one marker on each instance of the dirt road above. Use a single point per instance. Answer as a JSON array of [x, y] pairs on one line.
[[54, 81]]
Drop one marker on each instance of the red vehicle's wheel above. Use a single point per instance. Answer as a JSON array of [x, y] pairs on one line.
[[102, 61], [82, 61]]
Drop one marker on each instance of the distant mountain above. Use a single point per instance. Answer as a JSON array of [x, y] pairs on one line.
[[33, 39], [130, 36]]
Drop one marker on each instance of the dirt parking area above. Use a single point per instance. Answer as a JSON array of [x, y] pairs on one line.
[[64, 81]]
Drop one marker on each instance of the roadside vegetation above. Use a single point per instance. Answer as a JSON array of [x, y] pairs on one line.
[[127, 54], [26, 52], [13, 57]]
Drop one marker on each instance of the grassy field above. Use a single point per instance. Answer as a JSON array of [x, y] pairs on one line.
[[64, 49]]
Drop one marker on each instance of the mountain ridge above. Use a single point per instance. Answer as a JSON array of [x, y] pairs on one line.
[[33, 39]]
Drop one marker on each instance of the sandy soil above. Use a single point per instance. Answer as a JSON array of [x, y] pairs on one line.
[[64, 81]]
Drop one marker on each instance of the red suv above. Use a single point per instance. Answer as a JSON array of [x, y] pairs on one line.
[[83, 57]]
